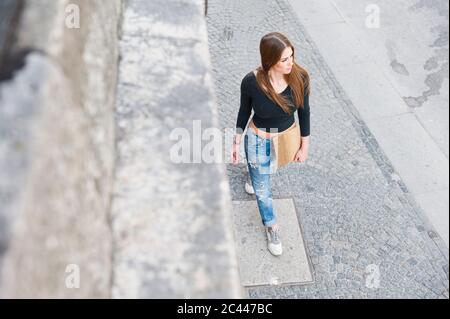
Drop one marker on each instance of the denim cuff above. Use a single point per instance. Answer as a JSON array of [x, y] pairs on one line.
[[270, 223]]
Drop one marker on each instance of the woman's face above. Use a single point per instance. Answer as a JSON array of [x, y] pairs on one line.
[[286, 62]]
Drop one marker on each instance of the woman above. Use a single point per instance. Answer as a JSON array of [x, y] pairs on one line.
[[274, 91]]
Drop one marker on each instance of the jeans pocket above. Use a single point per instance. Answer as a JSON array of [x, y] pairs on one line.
[[250, 146]]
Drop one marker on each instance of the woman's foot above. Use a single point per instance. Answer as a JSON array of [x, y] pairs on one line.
[[274, 240], [248, 187]]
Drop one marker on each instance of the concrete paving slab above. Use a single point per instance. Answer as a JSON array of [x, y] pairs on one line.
[[257, 266], [334, 41], [393, 43], [391, 12], [432, 116], [407, 79], [351, 8], [316, 12], [370, 91], [419, 161], [436, 204]]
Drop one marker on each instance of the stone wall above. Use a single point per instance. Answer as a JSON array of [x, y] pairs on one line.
[[77, 216], [173, 233], [57, 150]]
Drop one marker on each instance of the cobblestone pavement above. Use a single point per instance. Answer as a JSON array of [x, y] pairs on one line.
[[364, 233]]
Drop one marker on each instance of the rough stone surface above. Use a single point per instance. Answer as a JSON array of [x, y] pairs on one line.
[[57, 153], [366, 236], [171, 222]]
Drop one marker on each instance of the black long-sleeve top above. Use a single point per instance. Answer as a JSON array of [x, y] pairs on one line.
[[267, 114]]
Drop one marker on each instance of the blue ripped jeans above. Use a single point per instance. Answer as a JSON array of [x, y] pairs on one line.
[[261, 162]]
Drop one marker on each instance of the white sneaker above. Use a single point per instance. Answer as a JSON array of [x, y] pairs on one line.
[[249, 188], [274, 242]]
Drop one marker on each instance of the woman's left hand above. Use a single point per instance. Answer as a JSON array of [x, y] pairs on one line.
[[301, 156]]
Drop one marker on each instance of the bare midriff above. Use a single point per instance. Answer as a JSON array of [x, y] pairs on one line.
[[264, 134]]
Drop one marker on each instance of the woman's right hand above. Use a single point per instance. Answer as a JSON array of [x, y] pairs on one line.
[[235, 154], [235, 149]]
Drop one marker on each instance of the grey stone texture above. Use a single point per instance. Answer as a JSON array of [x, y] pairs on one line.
[[57, 153], [173, 234], [364, 232]]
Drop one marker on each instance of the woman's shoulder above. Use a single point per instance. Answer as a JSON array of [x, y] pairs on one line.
[[249, 79], [250, 75]]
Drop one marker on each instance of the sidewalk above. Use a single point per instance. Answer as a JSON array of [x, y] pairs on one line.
[[355, 211], [396, 76]]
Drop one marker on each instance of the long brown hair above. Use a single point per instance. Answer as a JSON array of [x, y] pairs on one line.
[[271, 47]]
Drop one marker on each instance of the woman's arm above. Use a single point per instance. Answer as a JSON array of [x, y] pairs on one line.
[[304, 121], [245, 109]]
